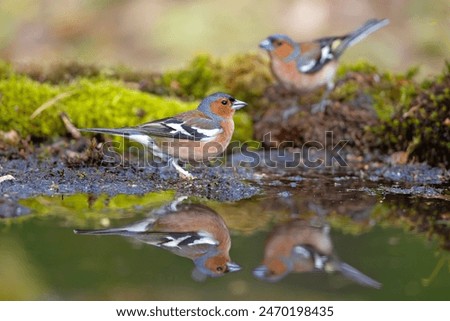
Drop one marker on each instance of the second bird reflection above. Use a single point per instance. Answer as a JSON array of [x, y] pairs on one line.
[[189, 230], [300, 246]]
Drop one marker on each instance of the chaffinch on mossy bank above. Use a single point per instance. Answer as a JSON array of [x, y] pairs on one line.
[[196, 135], [305, 66]]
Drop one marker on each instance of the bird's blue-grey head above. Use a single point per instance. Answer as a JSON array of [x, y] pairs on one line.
[[201, 270], [263, 272], [223, 100], [274, 41]]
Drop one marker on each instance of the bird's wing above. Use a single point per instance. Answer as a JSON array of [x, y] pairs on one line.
[[314, 55], [192, 125], [308, 256], [182, 239], [187, 244], [309, 56]]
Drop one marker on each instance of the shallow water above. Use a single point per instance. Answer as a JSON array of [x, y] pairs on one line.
[[380, 234]]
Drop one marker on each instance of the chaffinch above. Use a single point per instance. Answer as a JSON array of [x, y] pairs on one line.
[[196, 135], [189, 230], [299, 246], [305, 66]]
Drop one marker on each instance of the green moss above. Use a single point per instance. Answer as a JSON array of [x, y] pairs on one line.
[[347, 90], [88, 103], [408, 111], [5, 70], [107, 103], [361, 66], [96, 210], [95, 102], [419, 124], [412, 72], [245, 76], [412, 115], [387, 90], [347, 225], [199, 78], [243, 127], [19, 97]]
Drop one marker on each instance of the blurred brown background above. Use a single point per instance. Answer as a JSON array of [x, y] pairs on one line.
[[155, 35]]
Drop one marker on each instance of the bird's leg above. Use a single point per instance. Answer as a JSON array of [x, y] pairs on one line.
[[322, 105], [170, 207], [183, 173], [291, 110]]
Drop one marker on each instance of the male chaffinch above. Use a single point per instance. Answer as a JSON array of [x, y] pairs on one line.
[[305, 66], [193, 231], [196, 135], [299, 246]]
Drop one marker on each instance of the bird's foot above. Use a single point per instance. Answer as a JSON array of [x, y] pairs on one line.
[[320, 107], [289, 112], [183, 173]]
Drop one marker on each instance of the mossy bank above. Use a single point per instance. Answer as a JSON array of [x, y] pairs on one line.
[[375, 111], [382, 116]]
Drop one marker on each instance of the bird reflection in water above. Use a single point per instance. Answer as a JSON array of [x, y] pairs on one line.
[[300, 246], [190, 230]]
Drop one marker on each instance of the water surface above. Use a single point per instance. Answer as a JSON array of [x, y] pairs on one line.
[[381, 235]]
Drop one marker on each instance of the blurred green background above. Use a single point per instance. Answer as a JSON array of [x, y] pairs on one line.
[[163, 34]]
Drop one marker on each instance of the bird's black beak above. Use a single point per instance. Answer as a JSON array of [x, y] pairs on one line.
[[238, 104], [233, 267], [266, 44]]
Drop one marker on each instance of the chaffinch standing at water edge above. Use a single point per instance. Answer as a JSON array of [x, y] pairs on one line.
[[298, 247], [305, 66], [189, 230], [195, 135]]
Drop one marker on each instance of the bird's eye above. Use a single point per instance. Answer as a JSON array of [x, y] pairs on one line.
[[279, 43], [224, 102], [219, 269]]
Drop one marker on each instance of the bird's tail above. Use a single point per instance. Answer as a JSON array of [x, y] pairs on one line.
[[109, 231], [359, 34], [159, 239], [133, 229], [353, 274], [125, 132]]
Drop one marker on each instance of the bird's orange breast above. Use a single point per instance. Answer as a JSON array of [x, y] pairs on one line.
[[292, 79]]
